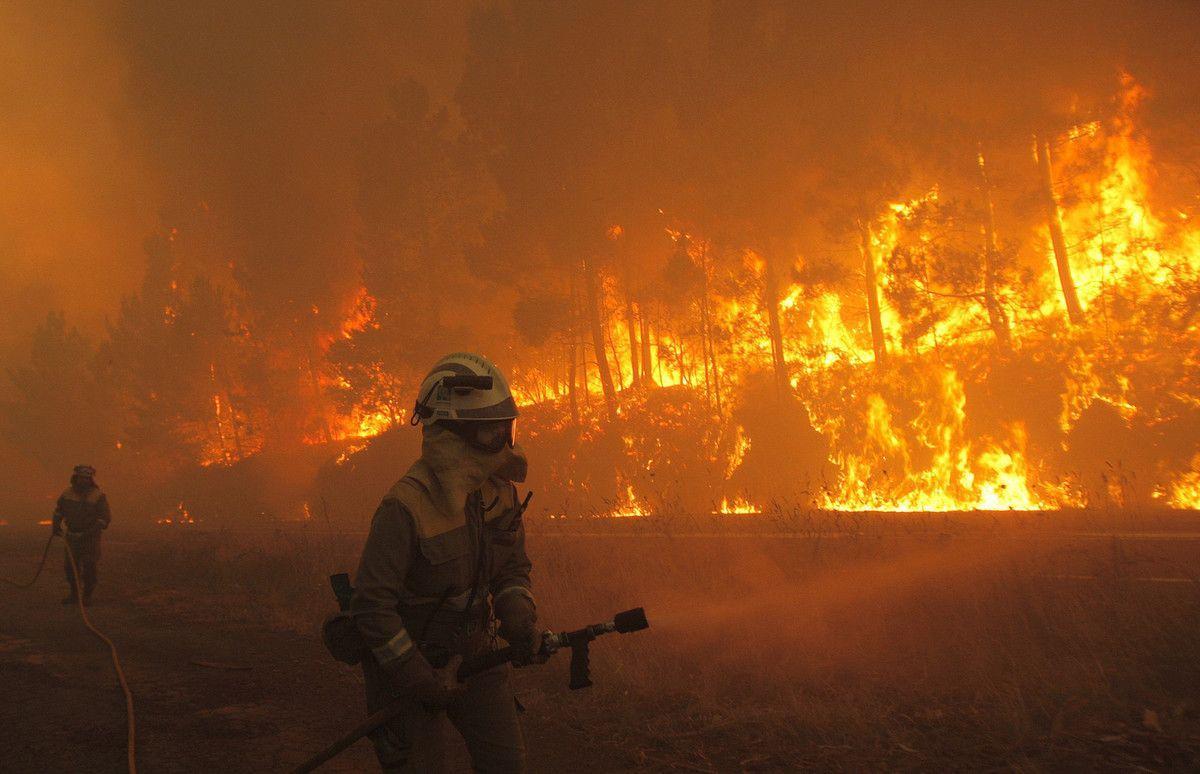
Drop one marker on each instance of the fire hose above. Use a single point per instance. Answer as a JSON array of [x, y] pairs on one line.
[[577, 641], [36, 575], [130, 722]]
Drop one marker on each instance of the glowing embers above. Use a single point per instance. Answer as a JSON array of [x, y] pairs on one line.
[[179, 518], [349, 452]]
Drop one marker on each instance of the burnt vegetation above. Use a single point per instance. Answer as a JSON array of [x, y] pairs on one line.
[[731, 253]]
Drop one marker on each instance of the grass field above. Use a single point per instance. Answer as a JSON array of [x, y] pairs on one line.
[[833, 643]]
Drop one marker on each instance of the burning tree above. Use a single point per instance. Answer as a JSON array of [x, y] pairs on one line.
[[805, 266]]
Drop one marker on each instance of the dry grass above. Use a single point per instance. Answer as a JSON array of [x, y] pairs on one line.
[[935, 646]]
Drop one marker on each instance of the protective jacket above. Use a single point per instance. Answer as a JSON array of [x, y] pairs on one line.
[[84, 512], [84, 515], [426, 572]]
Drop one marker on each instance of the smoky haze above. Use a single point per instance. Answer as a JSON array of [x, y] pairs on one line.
[[293, 207], [120, 118]]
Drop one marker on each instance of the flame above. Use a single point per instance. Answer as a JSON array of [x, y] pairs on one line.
[[900, 441], [739, 507], [181, 518], [1184, 492], [1116, 239], [629, 507], [349, 452]]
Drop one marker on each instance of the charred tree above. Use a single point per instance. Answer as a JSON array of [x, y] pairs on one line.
[[579, 367], [878, 341], [643, 319], [774, 328], [319, 397], [572, 353], [572, 399], [631, 324], [596, 320], [1054, 223], [712, 380], [630, 321], [997, 318], [616, 360]]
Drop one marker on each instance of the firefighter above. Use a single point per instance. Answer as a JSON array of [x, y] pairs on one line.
[[83, 509], [444, 561]]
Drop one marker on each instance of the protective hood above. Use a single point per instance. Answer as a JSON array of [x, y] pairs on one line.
[[458, 469]]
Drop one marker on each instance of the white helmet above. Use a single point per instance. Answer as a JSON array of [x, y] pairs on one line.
[[464, 387]]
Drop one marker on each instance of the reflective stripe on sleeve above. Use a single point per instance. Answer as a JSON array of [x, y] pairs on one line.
[[394, 648]]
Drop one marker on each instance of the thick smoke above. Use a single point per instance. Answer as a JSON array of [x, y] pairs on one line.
[[462, 161], [122, 118]]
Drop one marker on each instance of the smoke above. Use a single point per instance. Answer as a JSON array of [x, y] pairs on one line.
[[77, 199], [123, 118], [282, 150], [120, 118]]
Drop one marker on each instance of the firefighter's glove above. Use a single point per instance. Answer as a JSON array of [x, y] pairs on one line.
[[414, 677], [518, 619], [57, 530]]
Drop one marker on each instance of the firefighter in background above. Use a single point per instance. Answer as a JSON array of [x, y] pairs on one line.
[[83, 510], [445, 558]]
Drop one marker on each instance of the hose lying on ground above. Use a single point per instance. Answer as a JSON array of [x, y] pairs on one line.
[[131, 750], [36, 575], [130, 724]]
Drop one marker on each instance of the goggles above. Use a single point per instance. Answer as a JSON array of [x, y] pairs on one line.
[[490, 437]]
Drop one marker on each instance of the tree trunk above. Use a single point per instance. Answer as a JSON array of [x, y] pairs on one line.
[[572, 398], [997, 317], [774, 329], [584, 381], [681, 363], [630, 322], [878, 342], [579, 368], [572, 345], [1061, 260], [232, 409], [217, 410], [708, 348], [597, 326], [616, 359], [644, 330], [319, 395]]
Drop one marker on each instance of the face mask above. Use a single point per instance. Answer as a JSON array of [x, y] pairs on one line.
[[460, 468]]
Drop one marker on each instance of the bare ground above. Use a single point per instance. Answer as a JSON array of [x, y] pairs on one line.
[[941, 646]]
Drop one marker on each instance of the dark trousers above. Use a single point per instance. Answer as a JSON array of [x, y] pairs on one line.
[[86, 550], [486, 718]]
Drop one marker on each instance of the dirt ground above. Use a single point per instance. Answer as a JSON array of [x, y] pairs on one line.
[[273, 698], [961, 646]]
